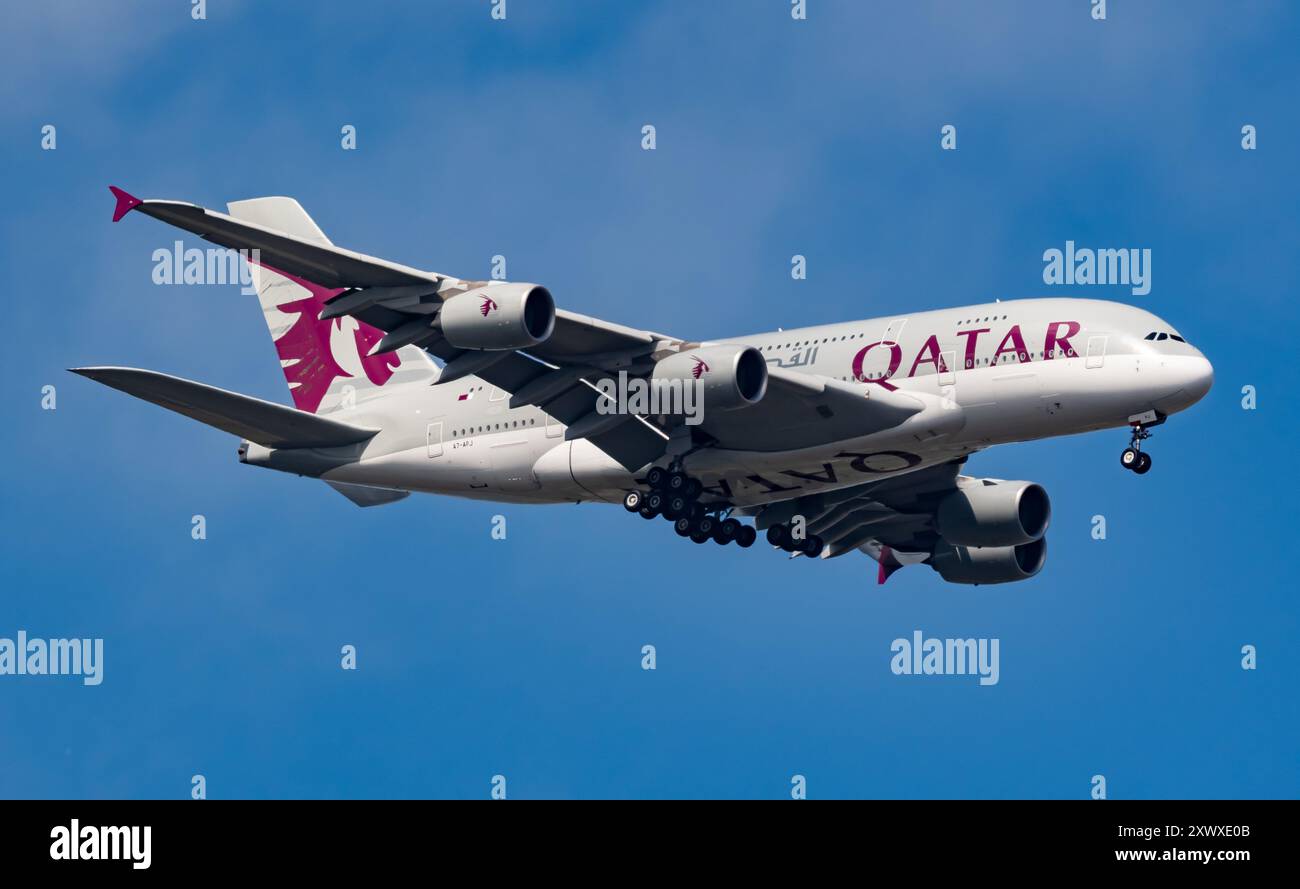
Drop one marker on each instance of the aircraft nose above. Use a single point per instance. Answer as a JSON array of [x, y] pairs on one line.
[[1199, 377]]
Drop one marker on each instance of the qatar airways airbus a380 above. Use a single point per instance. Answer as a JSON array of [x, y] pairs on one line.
[[833, 439]]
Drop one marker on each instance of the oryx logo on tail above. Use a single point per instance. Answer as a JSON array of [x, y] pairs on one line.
[[306, 348]]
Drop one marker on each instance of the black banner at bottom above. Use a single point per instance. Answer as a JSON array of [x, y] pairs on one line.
[[213, 838]]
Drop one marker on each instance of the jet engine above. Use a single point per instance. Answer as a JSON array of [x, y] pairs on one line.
[[988, 512], [498, 317], [990, 564], [731, 376]]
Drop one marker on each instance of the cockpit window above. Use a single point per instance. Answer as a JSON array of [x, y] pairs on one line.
[[1177, 338], [1162, 337], [1150, 336]]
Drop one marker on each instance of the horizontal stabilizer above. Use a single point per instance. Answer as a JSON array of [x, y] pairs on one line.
[[365, 495], [263, 422]]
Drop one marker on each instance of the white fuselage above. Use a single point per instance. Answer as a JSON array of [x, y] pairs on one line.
[[989, 374]]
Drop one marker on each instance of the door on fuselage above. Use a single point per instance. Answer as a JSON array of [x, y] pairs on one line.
[[512, 463], [1096, 356], [877, 361]]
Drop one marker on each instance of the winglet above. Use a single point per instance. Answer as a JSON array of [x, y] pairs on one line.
[[125, 202], [886, 556]]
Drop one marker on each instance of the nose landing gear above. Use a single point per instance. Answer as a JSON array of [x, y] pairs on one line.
[[1133, 457]]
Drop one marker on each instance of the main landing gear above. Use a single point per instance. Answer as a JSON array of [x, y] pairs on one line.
[[1133, 457], [781, 536], [675, 495]]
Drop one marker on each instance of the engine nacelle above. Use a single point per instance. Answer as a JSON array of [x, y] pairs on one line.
[[731, 376], [994, 513], [990, 564], [501, 316]]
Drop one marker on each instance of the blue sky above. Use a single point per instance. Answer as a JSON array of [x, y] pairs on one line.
[[521, 657]]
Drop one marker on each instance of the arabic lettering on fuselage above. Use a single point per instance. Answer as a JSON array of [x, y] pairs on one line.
[[802, 358]]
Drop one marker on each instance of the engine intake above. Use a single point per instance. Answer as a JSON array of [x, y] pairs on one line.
[[990, 564], [732, 376], [498, 317], [994, 513]]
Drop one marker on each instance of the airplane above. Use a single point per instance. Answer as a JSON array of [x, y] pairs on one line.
[[833, 439]]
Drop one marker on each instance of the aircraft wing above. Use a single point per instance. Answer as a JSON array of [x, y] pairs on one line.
[[555, 376], [559, 377], [891, 520], [802, 410], [315, 260]]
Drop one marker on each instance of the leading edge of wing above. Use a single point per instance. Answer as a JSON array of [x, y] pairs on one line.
[[319, 263], [263, 422]]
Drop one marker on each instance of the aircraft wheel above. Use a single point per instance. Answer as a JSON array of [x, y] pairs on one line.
[[675, 483], [812, 546], [677, 507], [728, 529], [697, 537], [1144, 464], [705, 525], [694, 488], [655, 477], [683, 527], [747, 536], [778, 535], [647, 513], [656, 501], [632, 501], [1130, 459]]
